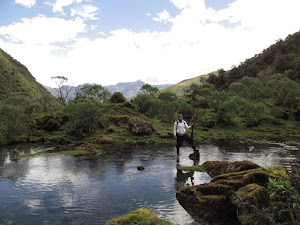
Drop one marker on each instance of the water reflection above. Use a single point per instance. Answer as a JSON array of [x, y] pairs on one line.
[[69, 190]]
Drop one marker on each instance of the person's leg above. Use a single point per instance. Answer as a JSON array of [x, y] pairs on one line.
[[179, 143]]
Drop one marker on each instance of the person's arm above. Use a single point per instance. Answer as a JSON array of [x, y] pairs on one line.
[[175, 130], [187, 126]]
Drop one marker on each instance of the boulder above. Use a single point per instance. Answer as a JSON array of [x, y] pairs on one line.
[[234, 187], [141, 129], [214, 168], [249, 196]]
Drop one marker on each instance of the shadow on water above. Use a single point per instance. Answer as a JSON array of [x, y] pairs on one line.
[[69, 190]]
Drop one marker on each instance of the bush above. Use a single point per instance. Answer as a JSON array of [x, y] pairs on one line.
[[83, 119], [254, 112], [227, 110], [13, 121], [117, 97]]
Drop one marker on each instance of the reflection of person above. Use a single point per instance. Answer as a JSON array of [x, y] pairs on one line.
[[182, 179], [180, 134]]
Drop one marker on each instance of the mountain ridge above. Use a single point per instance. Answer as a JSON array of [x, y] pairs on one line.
[[128, 89]]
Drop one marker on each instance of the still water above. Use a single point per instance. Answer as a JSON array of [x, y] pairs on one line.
[[69, 190]]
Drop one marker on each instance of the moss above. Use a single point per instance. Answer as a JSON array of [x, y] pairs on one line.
[[198, 168], [215, 168], [292, 143], [140, 167], [138, 217], [278, 171]]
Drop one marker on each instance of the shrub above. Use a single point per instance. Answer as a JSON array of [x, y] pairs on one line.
[[117, 97]]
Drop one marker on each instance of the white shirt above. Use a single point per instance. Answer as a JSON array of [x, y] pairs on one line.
[[179, 127]]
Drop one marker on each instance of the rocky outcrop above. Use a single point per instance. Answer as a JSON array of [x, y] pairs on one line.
[[141, 129], [235, 186]]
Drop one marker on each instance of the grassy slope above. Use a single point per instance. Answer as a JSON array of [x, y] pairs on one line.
[[178, 88], [15, 79]]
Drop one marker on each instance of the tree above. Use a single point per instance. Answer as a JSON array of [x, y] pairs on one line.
[[143, 102], [62, 92], [200, 94], [83, 118], [285, 91], [167, 96], [147, 88], [96, 91], [117, 97]]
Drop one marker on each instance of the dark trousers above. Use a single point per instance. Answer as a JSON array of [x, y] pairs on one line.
[[186, 138]]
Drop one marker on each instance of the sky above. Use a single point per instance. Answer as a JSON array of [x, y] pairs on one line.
[[156, 41]]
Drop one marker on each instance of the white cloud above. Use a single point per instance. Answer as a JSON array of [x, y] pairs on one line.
[[148, 14], [41, 30], [163, 16], [58, 6], [85, 11], [26, 3], [197, 43]]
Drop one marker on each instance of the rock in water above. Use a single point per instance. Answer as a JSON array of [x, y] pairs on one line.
[[140, 167], [233, 186]]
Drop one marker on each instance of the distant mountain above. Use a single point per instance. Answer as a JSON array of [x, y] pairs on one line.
[[15, 79], [128, 89]]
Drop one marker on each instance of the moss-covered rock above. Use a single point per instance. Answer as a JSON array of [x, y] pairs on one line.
[[214, 168], [140, 167], [138, 217], [207, 203], [234, 186], [250, 195]]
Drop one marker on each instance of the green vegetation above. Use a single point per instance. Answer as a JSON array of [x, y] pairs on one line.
[[16, 80], [83, 150], [284, 206], [179, 88], [292, 143], [256, 101], [138, 217], [197, 168]]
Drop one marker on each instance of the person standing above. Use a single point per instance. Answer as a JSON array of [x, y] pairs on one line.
[[180, 134]]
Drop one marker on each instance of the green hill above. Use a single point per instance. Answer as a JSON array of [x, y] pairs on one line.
[[282, 57], [15, 79], [178, 88]]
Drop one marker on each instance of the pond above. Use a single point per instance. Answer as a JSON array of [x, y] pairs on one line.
[[71, 190]]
